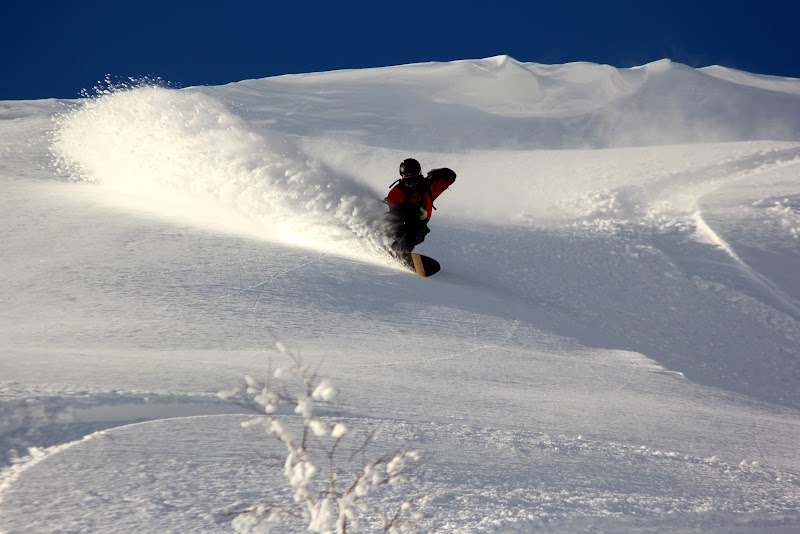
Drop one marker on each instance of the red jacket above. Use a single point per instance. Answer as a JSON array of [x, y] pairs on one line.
[[419, 191]]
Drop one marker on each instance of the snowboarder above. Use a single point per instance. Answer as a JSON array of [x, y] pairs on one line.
[[410, 201]]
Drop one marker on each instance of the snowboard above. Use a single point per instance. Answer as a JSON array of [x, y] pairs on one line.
[[422, 265]]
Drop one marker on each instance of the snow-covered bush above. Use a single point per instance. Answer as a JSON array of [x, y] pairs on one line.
[[330, 489]]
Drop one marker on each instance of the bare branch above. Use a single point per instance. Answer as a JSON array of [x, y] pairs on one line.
[[317, 502]]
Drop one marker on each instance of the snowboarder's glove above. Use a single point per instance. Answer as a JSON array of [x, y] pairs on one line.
[[423, 215]]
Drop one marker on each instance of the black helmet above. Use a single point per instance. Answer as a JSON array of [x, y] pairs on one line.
[[410, 167]]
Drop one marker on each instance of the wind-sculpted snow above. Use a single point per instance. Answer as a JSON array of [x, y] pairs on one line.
[[185, 152], [501, 103]]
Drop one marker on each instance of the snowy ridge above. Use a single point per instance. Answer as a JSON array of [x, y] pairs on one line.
[[514, 105], [761, 81], [611, 344]]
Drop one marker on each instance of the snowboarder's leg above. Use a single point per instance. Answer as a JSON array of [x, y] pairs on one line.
[[408, 235], [403, 243]]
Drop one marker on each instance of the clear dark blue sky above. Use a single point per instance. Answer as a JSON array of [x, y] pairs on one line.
[[57, 48]]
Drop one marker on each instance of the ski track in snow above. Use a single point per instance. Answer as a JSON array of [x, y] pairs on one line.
[[677, 196], [527, 333], [781, 301]]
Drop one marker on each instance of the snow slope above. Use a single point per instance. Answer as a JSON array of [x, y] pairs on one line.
[[612, 344]]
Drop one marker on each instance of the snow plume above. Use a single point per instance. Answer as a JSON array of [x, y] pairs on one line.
[[184, 153]]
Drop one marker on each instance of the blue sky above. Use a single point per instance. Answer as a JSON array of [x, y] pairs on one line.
[[58, 48]]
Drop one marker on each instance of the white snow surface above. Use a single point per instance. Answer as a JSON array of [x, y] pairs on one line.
[[612, 345]]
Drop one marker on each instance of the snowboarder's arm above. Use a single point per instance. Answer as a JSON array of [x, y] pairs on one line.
[[395, 197], [440, 179]]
